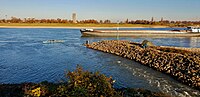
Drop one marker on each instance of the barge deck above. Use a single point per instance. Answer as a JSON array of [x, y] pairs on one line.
[[138, 33]]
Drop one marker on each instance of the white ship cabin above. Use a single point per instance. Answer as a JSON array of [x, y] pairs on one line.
[[84, 30], [89, 29], [194, 29]]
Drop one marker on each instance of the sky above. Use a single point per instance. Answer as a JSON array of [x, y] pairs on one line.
[[113, 10]]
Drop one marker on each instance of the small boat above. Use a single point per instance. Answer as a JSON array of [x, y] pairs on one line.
[[53, 41], [188, 32]]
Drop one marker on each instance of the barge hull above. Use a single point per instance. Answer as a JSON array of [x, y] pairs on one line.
[[140, 34]]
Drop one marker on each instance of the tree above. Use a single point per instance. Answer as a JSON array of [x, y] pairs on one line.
[[127, 21], [107, 22]]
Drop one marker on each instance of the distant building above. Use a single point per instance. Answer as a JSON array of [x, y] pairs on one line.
[[152, 19], [161, 19], [74, 18]]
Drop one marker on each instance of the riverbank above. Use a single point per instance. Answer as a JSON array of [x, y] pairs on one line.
[[18, 90], [183, 65], [80, 84], [78, 26]]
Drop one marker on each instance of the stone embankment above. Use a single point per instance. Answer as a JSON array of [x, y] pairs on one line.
[[181, 64], [195, 50]]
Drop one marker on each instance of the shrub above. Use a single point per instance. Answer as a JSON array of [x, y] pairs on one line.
[[86, 84], [35, 90]]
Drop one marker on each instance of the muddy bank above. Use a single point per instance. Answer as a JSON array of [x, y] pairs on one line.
[[181, 64]]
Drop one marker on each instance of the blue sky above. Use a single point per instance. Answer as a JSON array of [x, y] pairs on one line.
[[102, 9]]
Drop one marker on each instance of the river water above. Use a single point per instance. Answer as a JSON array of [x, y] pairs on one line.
[[24, 58]]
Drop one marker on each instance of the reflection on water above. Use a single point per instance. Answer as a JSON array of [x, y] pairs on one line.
[[24, 58], [194, 41]]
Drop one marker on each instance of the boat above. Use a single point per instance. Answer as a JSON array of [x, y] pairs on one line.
[[188, 32], [53, 41], [193, 29]]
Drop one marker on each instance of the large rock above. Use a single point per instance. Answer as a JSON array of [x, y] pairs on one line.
[[146, 44]]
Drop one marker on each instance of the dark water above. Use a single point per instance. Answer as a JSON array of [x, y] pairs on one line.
[[24, 58]]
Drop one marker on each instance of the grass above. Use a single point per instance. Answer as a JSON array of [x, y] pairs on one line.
[[75, 25]]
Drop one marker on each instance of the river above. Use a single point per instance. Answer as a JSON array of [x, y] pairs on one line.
[[24, 58]]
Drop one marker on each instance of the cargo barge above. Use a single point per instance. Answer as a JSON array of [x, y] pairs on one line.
[[189, 32]]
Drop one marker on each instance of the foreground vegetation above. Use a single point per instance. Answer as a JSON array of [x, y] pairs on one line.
[[80, 84]]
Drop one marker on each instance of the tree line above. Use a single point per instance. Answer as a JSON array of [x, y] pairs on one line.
[[58, 20], [93, 21], [163, 22]]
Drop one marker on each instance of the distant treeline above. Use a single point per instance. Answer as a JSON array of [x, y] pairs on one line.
[[93, 21], [33, 20], [164, 22]]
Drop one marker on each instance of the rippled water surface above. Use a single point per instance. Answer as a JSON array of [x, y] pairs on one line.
[[24, 58]]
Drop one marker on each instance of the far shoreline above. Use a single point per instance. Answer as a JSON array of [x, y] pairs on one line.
[[77, 27]]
